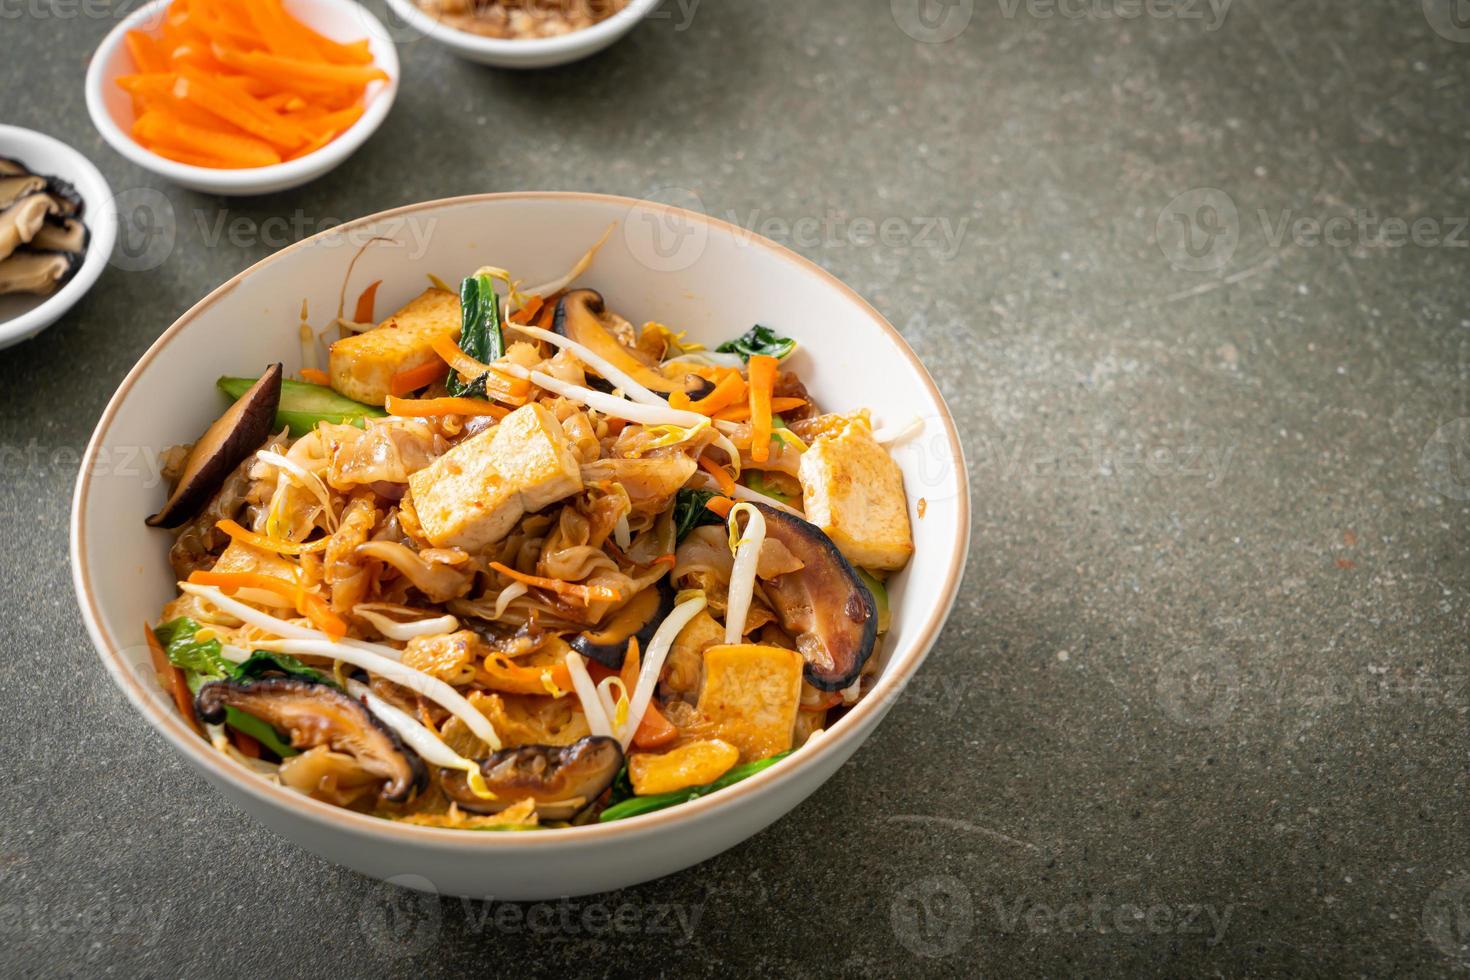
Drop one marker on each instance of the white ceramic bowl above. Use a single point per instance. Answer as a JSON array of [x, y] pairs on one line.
[[111, 108], [21, 316], [539, 52], [715, 283]]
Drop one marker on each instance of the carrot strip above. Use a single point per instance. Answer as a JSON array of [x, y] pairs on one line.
[[308, 604], [729, 390], [316, 376], [719, 506], [528, 312], [723, 478], [629, 674], [157, 126], [411, 380], [255, 540], [762, 383], [654, 731], [739, 413], [145, 52], [172, 679], [497, 385], [313, 71], [363, 312], [268, 20], [572, 590], [247, 744], [501, 674], [192, 159], [431, 407], [239, 108]]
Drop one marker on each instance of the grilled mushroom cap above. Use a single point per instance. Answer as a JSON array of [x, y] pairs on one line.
[[824, 605], [36, 272], [608, 644], [562, 780], [233, 436], [579, 317], [314, 714], [20, 222]]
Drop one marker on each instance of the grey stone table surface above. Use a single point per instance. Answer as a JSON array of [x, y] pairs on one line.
[[1193, 278]]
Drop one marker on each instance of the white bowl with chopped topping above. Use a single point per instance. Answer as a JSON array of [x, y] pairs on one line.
[[56, 257], [521, 51], [704, 278]]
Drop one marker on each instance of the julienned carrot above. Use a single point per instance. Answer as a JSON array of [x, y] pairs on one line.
[[654, 730], [739, 413], [407, 382], [246, 536], [247, 69], [156, 126], [719, 506], [316, 376], [762, 382], [723, 478], [500, 674], [572, 590], [308, 604], [497, 385], [528, 312], [172, 678], [432, 407], [366, 303], [145, 52], [729, 390]]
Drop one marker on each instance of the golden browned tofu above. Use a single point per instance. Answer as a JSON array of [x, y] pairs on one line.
[[751, 695], [472, 496], [853, 490], [361, 366]]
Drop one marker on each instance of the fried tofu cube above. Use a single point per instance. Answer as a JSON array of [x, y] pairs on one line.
[[362, 366], [853, 490], [750, 697], [473, 495]]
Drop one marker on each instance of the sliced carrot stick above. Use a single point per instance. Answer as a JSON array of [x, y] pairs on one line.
[[722, 477], [739, 413], [158, 126], [432, 407], [366, 302], [192, 159], [316, 376], [312, 71], [268, 21], [308, 604], [497, 385], [762, 382], [246, 536], [172, 679], [654, 730], [719, 506], [239, 108], [572, 590], [729, 390], [407, 382], [528, 312], [500, 674], [145, 52]]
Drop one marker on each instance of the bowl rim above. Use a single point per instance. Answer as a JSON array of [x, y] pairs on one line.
[[378, 103], [100, 217], [601, 34], [335, 818]]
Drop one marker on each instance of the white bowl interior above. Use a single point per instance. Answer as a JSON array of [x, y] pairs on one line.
[[539, 52], [848, 358], [23, 316], [340, 20]]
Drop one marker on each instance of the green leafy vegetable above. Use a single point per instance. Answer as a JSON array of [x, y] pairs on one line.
[[263, 663], [758, 340], [480, 334], [177, 638], [304, 405], [639, 805], [690, 512]]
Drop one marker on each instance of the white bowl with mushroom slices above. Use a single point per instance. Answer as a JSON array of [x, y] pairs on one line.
[[452, 24], [57, 226], [709, 289]]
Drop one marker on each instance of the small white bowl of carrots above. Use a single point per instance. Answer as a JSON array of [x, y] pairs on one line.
[[242, 97]]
